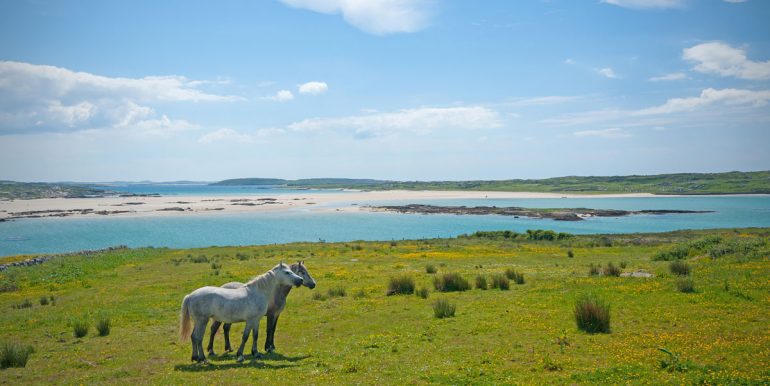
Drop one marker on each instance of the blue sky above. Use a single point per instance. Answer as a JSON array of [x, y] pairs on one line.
[[390, 89]]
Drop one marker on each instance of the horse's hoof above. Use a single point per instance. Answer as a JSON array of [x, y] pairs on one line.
[[228, 350], [240, 359], [256, 355], [270, 349], [212, 353]]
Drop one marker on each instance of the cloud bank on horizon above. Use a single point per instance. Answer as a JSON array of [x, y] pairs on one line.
[[415, 90]]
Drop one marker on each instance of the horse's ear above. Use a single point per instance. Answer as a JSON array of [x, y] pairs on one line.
[[281, 264]]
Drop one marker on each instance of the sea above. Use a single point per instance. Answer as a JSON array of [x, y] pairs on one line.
[[61, 235]]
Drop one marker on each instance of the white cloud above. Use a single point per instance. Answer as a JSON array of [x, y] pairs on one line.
[[40, 98], [607, 72], [280, 96], [647, 4], [722, 59], [717, 101], [419, 121], [710, 96], [378, 17], [669, 77], [604, 133], [230, 135], [569, 61], [541, 101], [313, 88]]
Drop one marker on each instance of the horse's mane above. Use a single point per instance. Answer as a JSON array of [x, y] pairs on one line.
[[262, 281]]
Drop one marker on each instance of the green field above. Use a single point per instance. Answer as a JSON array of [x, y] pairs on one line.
[[682, 183], [524, 335]]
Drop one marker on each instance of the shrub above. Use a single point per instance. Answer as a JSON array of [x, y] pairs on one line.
[[592, 314], [685, 285], [25, 304], [422, 293], [623, 264], [500, 281], [677, 252], [678, 267], [44, 300], [570, 253], [451, 282], [430, 268], [593, 270], [514, 275], [80, 327], [337, 292], [401, 285], [14, 355], [481, 282], [103, 326], [442, 308], [611, 270]]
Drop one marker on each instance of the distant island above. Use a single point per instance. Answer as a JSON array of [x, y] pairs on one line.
[[559, 214], [677, 184]]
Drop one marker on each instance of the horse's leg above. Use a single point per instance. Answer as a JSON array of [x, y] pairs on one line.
[[194, 356], [198, 332], [255, 331], [226, 329], [246, 332], [214, 329], [272, 323]]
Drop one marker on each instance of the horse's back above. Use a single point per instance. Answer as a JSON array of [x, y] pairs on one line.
[[232, 285]]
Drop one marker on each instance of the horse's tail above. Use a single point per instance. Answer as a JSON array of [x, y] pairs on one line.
[[185, 325]]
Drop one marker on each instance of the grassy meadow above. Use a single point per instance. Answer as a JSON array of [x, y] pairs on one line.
[[347, 331]]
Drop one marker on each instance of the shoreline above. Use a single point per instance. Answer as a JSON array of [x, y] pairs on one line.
[[150, 205]]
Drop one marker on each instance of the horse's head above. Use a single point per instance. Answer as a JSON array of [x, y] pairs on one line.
[[301, 271], [285, 276]]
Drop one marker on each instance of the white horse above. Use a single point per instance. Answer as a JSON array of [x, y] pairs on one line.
[[232, 305]]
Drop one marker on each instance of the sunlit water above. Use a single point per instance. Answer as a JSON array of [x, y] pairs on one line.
[[55, 235]]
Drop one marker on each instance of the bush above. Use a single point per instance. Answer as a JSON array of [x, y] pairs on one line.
[[501, 282], [677, 252], [623, 264], [514, 275], [449, 282], [422, 293], [337, 292], [430, 268], [593, 270], [25, 304], [678, 267], [103, 326], [685, 285], [14, 355], [401, 285], [611, 270], [570, 253], [80, 327], [442, 308], [44, 300], [592, 314], [481, 282]]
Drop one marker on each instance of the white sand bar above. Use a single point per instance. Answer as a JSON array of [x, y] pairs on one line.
[[185, 205]]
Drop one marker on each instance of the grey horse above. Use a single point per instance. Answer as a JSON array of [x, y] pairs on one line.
[[274, 309], [247, 303]]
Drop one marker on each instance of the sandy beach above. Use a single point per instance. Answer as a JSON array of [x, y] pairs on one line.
[[187, 205]]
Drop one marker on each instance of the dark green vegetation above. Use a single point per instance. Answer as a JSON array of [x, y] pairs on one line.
[[403, 284], [10, 190], [682, 183], [14, 355], [592, 314], [525, 335], [443, 308]]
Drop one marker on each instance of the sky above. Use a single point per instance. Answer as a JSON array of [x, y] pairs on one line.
[[95, 90]]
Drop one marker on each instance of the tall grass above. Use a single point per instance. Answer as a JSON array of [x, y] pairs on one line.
[[449, 282], [403, 284], [500, 281], [337, 292], [685, 285], [80, 327], [481, 282], [14, 355], [442, 308], [103, 326], [593, 270], [514, 275], [430, 268], [592, 314], [611, 270], [678, 267]]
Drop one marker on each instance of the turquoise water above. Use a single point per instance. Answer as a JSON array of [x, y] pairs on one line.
[[71, 234]]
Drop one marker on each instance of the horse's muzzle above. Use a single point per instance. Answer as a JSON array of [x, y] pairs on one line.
[[310, 285], [298, 283]]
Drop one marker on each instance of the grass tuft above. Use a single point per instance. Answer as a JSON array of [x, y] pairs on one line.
[[442, 308], [25, 304], [611, 270], [430, 268], [80, 327], [44, 300], [103, 326], [592, 314], [481, 282], [422, 293], [337, 292], [501, 282], [403, 284], [678, 267], [593, 270], [14, 355], [685, 285], [449, 282], [514, 275]]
